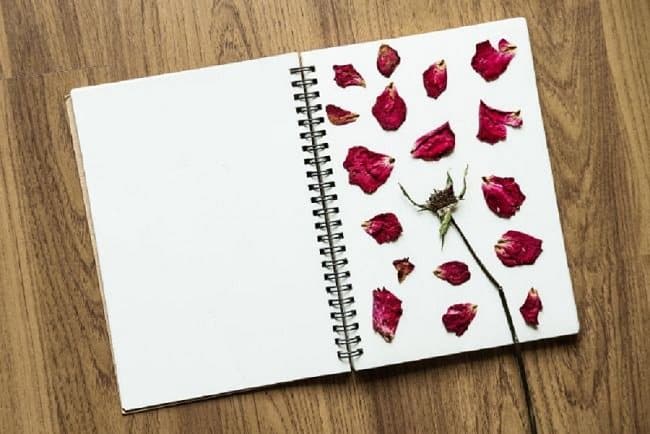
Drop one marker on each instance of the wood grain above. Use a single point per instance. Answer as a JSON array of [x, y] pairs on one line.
[[55, 363]]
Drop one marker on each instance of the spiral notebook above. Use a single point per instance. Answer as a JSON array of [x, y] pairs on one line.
[[229, 231]]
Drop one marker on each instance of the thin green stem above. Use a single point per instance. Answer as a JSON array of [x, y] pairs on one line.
[[513, 333]]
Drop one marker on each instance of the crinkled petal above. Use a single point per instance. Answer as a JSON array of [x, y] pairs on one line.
[[502, 195], [491, 63], [389, 109], [454, 272], [367, 169], [492, 123], [458, 317], [339, 116], [387, 60], [435, 79], [518, 248], [346, 75], [531, 307], [384, 228], [386, 313], [403, 267], [435, 144]]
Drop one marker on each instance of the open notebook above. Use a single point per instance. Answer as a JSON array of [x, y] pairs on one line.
[[228, 229]]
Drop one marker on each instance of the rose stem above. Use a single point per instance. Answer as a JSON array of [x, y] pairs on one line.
[[513, 333]]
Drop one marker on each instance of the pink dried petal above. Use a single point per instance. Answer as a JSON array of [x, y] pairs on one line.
[[387, 60], [531, 307], [339, 116], [367, 169], [386, 312], [492, 123], [489, 62], [454, 272], [389, 109], [518, 248], [458, 317], [435, 144], [346, 75], [502, 195], [384, 228], [435, 79], [403, 267]]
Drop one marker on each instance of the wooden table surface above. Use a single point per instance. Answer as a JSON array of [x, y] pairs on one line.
[[591, 57]]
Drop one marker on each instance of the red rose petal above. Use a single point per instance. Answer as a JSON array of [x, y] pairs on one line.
[[502, 195], [518, 248], [531, 307], [492, 123], [458, 317], [454, 272], [384, 228], [386, 312], [339, 116], [403, 267], [387, 60], [435, 79], [346, 75], [489, 62], [389, 109], [435, 144], [367, 169]]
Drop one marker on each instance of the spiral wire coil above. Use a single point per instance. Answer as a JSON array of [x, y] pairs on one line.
[[338, 288]]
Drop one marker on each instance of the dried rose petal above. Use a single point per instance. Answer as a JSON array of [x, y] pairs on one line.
[[531, 307], [339, 116], [389, 109], [403, 267], [387, 60], [435, 79], [435, 144], [492, 123], [518, 248], [346, 75], [502, 195], [454, 272], [384, 228], [386, 312], [489, 62], [367, 169], [458, 317]]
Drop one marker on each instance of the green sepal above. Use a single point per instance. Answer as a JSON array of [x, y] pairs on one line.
[[444, 225]]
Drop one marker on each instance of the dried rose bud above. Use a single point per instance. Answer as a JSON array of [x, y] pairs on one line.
[[458, 317], [435, 79], [502, 195], [454, 272], [384, 228], [492, 123], [367, 169], [489, 62], [518, 248], [389, 109], [386, 312], [403, 267], [339, 116], [387, 60], [346, 75], [435, 144], [531, 307]]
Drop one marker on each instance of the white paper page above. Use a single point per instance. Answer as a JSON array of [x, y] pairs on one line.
[[523, 154], [206, 241]]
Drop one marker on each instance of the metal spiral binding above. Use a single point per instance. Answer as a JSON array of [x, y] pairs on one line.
[[341, 301]]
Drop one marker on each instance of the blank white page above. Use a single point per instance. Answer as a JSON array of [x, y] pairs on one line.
[[204, 232], [523, 154]]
